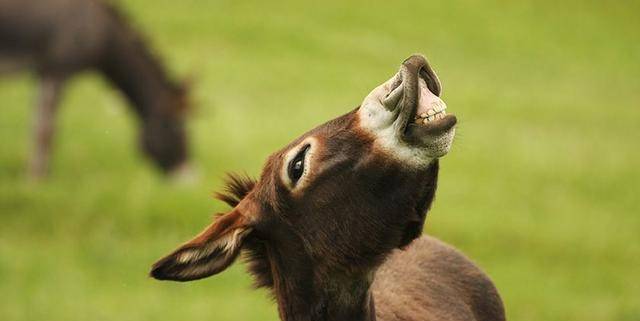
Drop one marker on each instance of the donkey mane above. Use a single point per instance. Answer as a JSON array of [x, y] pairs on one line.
[[154, 62], [141, 43]]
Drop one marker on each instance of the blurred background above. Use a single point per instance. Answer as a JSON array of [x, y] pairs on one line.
[[540, 189]]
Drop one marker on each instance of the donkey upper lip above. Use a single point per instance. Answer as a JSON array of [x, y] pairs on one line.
[[421, 111]]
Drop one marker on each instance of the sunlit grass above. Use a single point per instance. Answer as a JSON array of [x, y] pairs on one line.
[[540, 188]]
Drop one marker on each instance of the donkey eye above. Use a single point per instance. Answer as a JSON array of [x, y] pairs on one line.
[[295, 168]]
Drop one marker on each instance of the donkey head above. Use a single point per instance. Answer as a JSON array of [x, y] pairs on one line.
[[163, 136], [340, 197]]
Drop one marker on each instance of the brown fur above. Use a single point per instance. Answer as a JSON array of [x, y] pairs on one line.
[[60, 38], [344, 241], [433, 281]]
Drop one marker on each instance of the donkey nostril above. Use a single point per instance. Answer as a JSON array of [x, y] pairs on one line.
[[392, 99], [396, 83]]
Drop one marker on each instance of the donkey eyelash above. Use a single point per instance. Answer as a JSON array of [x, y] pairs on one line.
[[292, 170], [306, 151]]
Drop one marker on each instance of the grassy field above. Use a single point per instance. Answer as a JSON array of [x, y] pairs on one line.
[[541, 188]]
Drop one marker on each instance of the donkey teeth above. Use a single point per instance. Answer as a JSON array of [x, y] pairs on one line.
[[424, 120], [436, 113], [439, 106]]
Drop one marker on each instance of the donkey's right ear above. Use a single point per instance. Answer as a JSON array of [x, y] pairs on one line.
[[212, 251]]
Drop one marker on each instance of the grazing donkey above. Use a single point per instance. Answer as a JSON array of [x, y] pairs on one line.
[[333, 227], [59, 38]]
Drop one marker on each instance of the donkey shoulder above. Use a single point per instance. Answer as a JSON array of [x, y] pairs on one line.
[[430, 280]]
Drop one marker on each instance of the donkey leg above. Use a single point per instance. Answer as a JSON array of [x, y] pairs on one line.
[[44, 124]]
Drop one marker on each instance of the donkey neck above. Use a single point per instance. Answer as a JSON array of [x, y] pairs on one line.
[[306, 293], [135, 71]]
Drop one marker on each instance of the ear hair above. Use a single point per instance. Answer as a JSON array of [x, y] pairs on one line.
[[237, 187], [207, 254]]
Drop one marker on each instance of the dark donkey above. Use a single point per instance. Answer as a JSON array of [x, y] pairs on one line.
[[334, 224], [59, 38]]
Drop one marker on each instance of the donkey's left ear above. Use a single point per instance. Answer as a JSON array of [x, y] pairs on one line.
[[209, 253]]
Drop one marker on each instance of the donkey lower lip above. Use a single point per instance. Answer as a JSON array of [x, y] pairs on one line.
[[415, 131]]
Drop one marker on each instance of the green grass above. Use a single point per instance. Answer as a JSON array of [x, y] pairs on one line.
[[541, 188]]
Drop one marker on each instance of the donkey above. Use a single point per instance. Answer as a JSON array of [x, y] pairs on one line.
[[60, 38], [333, 226]]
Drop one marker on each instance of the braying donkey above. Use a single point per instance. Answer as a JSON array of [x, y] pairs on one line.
[[333, 227]]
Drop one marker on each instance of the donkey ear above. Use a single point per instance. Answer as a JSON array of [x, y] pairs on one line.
[[209, 253]]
